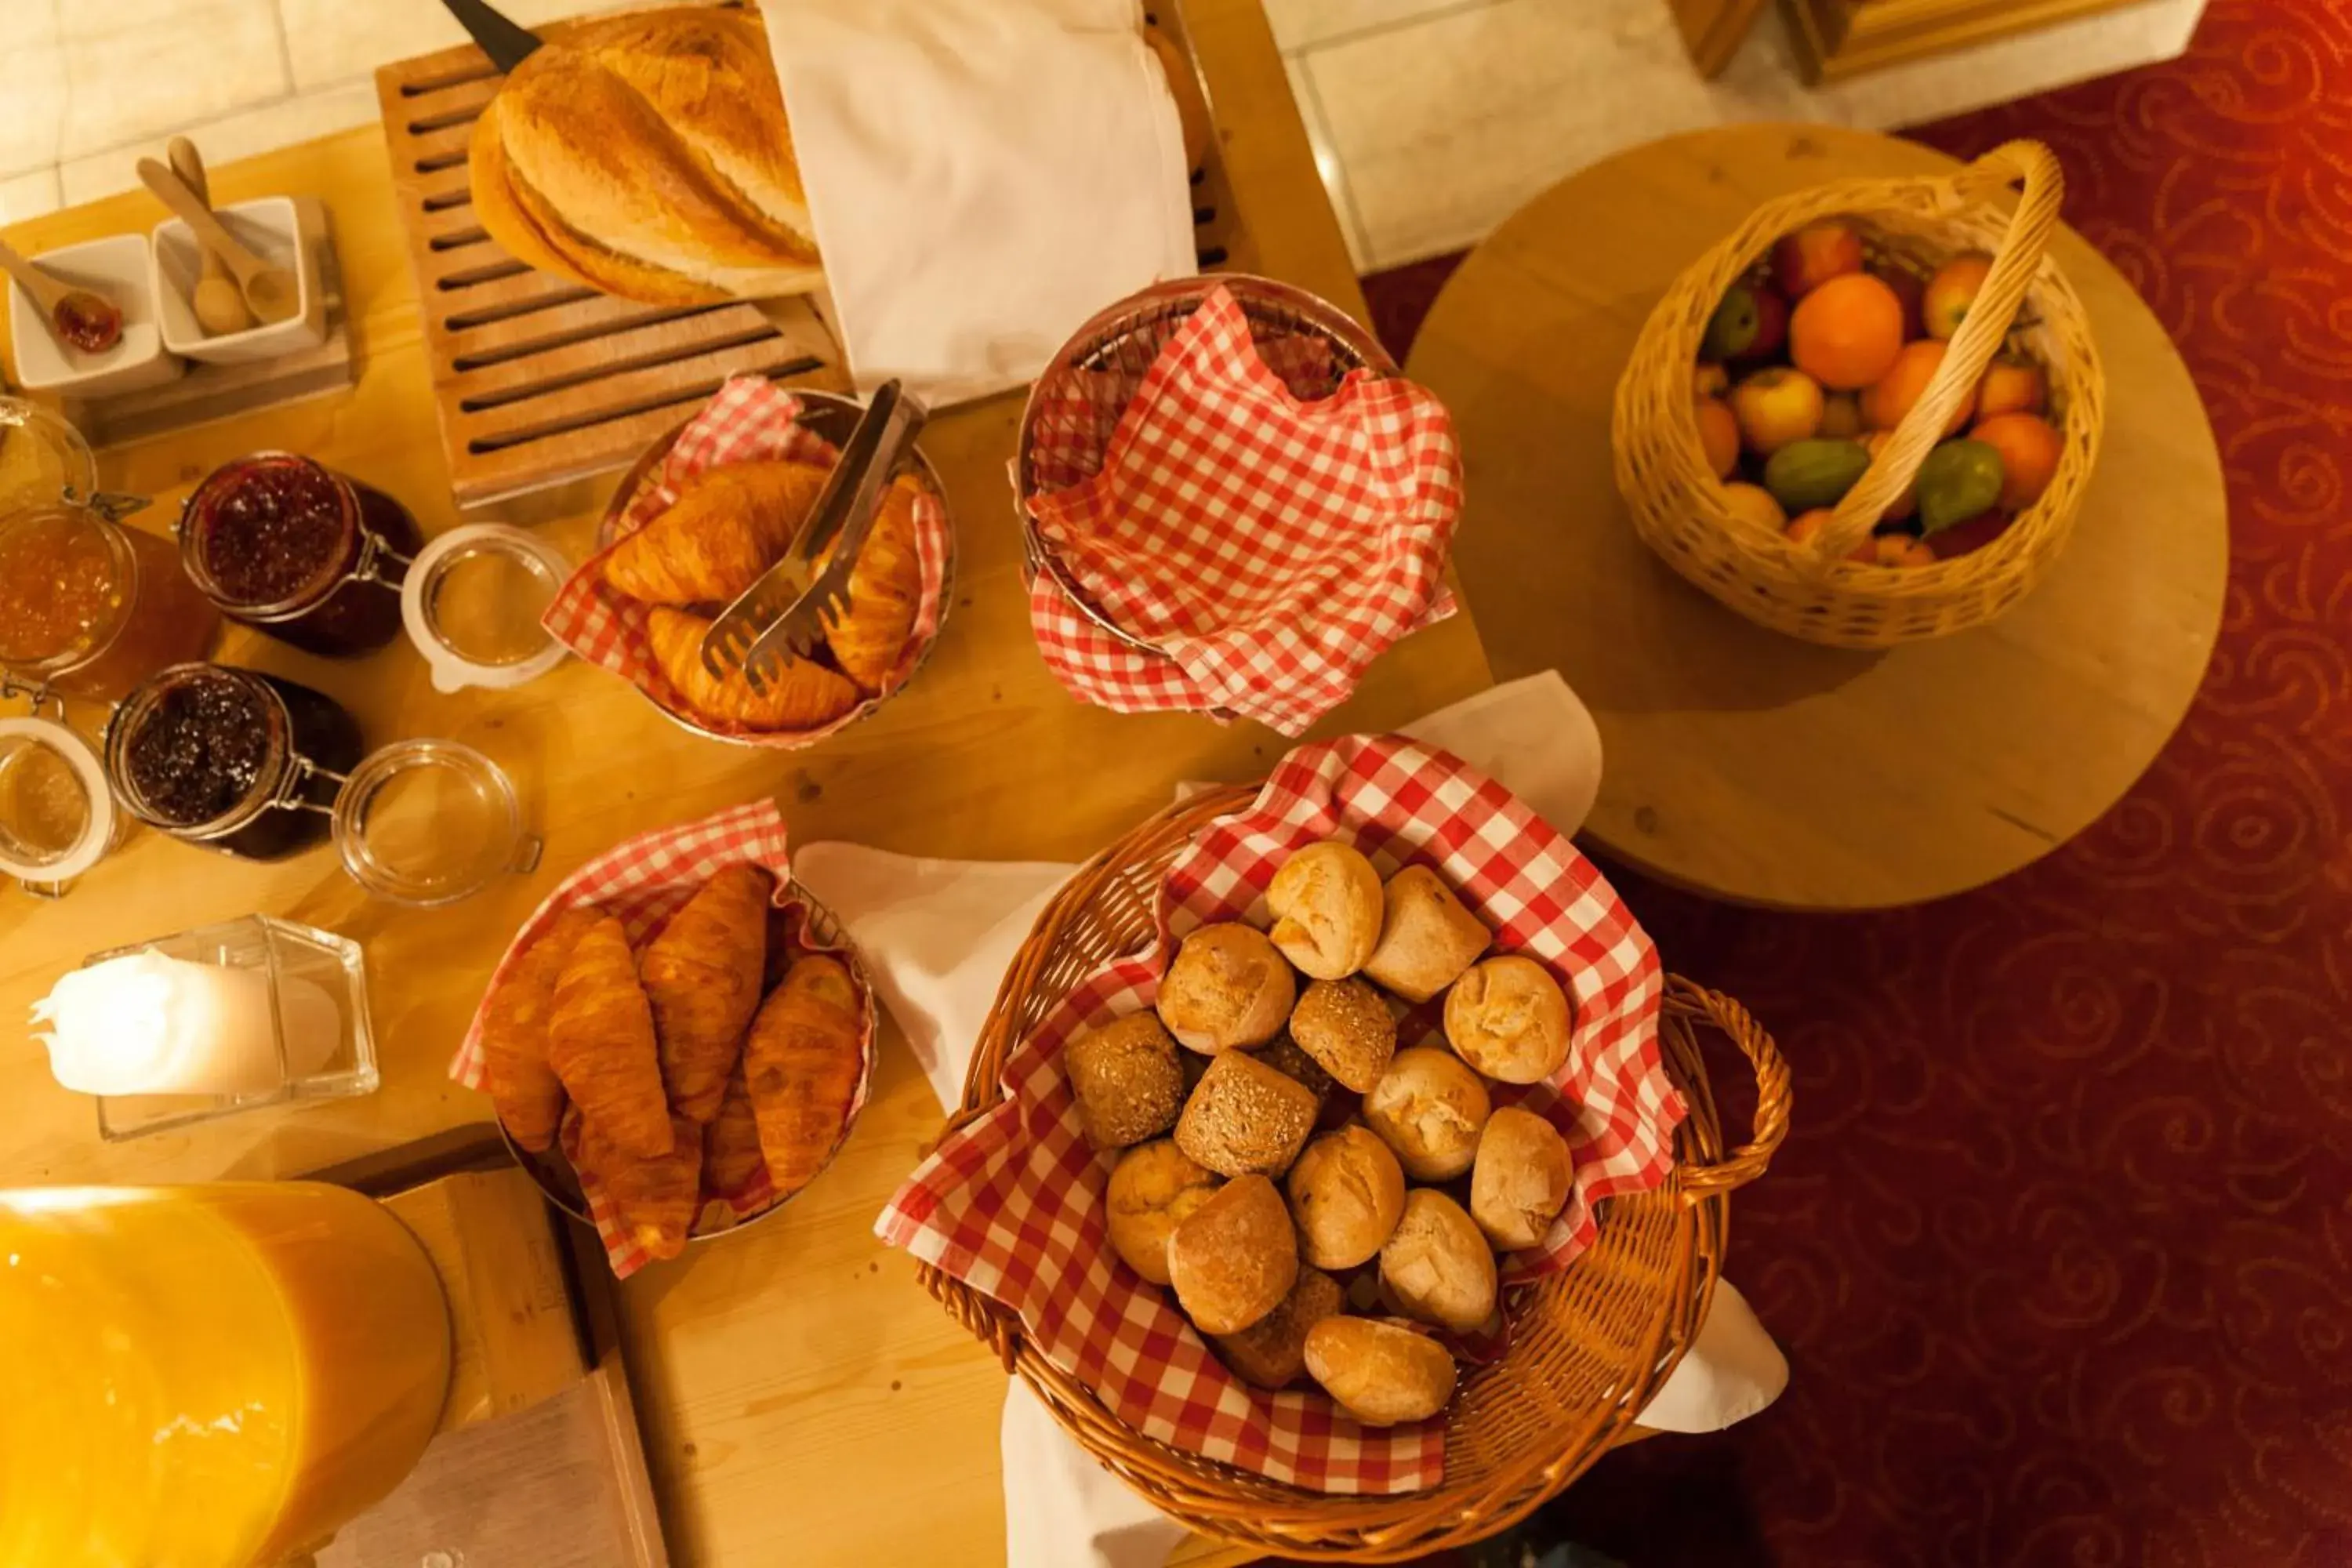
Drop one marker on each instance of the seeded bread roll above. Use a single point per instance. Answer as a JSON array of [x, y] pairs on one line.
[[1436, 1265], [1509, 1018], [1427, 937], [1245, 1118], [1521, 1180], [1234, 1258], [1345, 1026], [1153, 1188], [1227, 989], [1127, 1081], [1346, 1192], [1382, 1372], [1272, 1351], [1430, 1107], [1326, 902], [1285, 1057]]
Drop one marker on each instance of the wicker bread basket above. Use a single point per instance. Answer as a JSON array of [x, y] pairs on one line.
[[1588, 1345], [1810, 590]]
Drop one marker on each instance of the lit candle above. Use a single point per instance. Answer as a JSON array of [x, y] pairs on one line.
[[146, 1023]]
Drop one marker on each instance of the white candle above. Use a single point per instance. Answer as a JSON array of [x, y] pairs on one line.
[[146, 1023]]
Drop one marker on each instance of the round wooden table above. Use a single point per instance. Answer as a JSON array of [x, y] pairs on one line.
[[1744, 763]]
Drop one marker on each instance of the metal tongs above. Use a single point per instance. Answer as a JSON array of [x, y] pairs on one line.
[[785, 609]]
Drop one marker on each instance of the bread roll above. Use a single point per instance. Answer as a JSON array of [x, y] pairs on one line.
[[1152, 1188], [1345, 1026], [1521, 1180], [1436, 1265], [1245, 1118], [1346, 1192], [1234, 1258], [1327, 905], [1430, 1108], [1426, 936], [1509, 1018], [1272, 1351], [1285, 1057], [1381, 1372], [1227, 989], [1127, 1081]]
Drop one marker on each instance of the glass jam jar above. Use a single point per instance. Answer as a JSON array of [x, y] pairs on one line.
[[91, 608], [291, 547], [231, 759]]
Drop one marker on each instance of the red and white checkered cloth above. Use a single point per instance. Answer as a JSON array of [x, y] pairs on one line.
[[1269, 532], [749, 419], [642, 883], [1014, 1203]]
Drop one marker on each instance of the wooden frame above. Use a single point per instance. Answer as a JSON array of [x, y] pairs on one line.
[[1838, 38]]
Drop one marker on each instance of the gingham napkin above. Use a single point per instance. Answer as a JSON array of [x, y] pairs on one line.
[[748, 419], [1013, 1204], [1268, 538], [642, 882]]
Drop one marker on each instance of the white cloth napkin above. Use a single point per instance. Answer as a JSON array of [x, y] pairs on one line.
[[937, 937], [982, 177]]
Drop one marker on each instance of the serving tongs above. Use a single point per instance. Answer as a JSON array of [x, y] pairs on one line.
[[784, 611]]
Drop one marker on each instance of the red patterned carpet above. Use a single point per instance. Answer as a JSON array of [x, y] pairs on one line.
[[2061, 1247]]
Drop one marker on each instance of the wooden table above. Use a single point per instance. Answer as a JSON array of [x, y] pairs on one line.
[[1745, 763], [803, 1400]]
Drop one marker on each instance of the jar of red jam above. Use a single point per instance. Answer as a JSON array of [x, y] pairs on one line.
[[232, 759], [295, 549], [91, 608]]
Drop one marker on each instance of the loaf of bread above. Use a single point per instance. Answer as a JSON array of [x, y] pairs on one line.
[[1326, 902], [1227, 989], [1152, 1189], [1436, 1266], [1509, 1018], [1127, 1081], [1427, 937], [1382, 1372], [1272, 1351], [1521, 1180], [1347, 1193], [1234, 1258], [1430, 1108]]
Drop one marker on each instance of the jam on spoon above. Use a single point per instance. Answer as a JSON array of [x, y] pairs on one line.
[[86, 321]]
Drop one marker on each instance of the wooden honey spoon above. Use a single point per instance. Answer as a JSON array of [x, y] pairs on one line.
[[77, 318], [217, 301], [271, 293]]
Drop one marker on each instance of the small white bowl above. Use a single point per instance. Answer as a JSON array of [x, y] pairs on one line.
[[276, 228], [116, 267]]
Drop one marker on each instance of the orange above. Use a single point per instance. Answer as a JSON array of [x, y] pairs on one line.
[[1846, 333], [1891, 396], [1900, 550], [2011, 387], [1841, 416], [1805, 524], [1906, 503], [2029, 452], [1718, 435]]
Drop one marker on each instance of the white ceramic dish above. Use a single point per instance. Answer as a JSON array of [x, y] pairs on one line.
[[116, 267], [276, 228]]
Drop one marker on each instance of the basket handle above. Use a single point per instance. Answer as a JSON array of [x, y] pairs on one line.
[[1745, 1163], [1972, 347]]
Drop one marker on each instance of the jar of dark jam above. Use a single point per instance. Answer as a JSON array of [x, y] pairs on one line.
[[231, 759], [295, 549]]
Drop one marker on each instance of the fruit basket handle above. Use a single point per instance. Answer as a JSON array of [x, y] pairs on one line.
[[1745, 1163], [1972, 347]]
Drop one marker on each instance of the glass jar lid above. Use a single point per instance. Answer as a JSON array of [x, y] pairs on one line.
[[43, 460], [56, 816], [472, 601], [429, 822]]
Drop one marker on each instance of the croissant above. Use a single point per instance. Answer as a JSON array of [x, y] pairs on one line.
[[801, 1064], [702, 976], [732, 1159], [883, 583], [529, 1095], [655, 1199], [727, 525], [600, 1040], [802, 696]]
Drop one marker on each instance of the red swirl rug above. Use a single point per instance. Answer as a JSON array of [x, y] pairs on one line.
[[2061, 1246]]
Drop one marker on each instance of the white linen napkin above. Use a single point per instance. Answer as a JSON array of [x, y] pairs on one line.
[[937, 937], [983, 176]]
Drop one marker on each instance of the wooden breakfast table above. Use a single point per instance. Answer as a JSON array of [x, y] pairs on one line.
[[803, 1400]]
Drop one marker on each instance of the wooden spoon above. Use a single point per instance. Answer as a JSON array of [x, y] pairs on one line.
[[271, 293], [217, 301], [80, 320]]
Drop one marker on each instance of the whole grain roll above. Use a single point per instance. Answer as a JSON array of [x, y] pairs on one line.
[[1507, 1017], [1430, 1107], [1227, 988], [1327, 905], [1346, 1192], [1234, 1258], [1427, 936], [1347, 1027], [1436, 1266], [1382, 1372], [1272, 1351], [1245, 1118], [1127, 1080], [1521, 1180], [1283, 1054], [1153, 1188]]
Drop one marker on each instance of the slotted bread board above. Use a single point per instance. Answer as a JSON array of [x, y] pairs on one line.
[[541, 381]]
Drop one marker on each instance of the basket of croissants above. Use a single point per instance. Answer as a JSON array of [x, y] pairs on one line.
[[1337, 1162]]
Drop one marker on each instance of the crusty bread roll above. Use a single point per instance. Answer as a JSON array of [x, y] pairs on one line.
[[1346, 1192], [1327, 906], [649, 156], [1127, 1081], [1245, 1117], [1427, 937], [1436, 1265], [1382, 1372], [1509, 1018], [1345, 1026], [1234, 1258], [1521, 1180], [1272, 1351], [1430, 1108], [1152, 1188], [1226, 988]]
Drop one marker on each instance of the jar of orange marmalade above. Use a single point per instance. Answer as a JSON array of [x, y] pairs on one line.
[[91, 608]]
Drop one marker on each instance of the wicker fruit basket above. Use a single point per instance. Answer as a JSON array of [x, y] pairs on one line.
[[1587, 1346], [1810, 590]]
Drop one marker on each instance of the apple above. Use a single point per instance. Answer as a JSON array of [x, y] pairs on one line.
[[1803, 261], [1951, 292], [1754, 505], [2010, 386], [1718, 435], [1751, 324], [1900, 550], [1910, 292], [1775, 406], [1841, 415], [1973, 534]]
